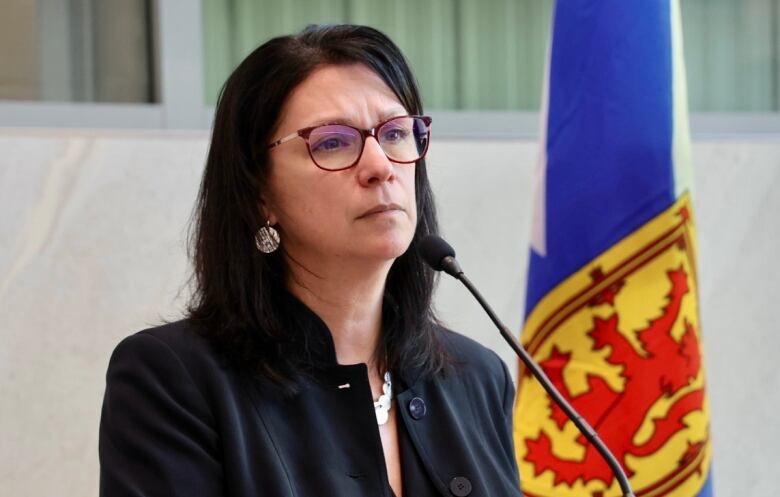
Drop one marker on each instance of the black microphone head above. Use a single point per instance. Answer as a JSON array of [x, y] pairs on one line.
[[434, 249]]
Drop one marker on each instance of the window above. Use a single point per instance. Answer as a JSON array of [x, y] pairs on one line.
[[467, 55], [77, 51], [489, 55], [731, 55], [161, 63]]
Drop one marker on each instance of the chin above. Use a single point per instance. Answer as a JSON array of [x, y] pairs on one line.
[[387, 248]]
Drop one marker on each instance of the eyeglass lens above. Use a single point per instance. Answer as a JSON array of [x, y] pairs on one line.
[[336, 146]]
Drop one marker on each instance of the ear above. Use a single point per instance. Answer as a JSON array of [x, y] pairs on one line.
[[267, 212]]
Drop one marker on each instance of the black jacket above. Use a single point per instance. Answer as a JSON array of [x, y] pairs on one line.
[[177, 422]]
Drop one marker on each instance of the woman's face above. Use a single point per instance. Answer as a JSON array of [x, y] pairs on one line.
[[367, 212]]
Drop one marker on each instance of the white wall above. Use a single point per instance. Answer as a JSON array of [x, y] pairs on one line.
[[92, 249]]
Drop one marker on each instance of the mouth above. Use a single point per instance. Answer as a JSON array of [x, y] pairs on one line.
[[381, 209]]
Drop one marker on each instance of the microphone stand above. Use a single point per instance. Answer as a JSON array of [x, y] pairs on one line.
[[450, 266]]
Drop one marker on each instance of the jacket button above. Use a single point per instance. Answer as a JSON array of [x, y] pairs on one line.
[[417, 408], [460, 486]]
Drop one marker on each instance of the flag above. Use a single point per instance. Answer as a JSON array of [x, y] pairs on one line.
[[611, 303]]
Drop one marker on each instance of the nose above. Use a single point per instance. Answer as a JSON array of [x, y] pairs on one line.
[[374, 168]]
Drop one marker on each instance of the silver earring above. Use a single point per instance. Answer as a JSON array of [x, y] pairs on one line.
[[267, 238]]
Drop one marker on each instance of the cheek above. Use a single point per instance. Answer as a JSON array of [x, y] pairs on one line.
[[296, 206], [307, 203], [408, 179]]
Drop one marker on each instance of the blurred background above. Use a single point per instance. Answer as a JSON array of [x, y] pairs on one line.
[[105, 109]]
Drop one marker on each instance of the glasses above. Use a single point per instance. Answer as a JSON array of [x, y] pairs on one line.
[[335, 147]]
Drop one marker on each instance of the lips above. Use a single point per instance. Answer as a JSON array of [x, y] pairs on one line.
[[378, 209]]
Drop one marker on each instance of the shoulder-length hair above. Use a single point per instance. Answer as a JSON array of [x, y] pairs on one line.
[[236, 291]]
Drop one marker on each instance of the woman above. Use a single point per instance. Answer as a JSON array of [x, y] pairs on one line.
[[310, 363]]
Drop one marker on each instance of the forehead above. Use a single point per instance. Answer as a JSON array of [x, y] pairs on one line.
[[340, 93]]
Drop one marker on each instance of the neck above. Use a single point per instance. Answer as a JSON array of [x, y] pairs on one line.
[[349, 300]]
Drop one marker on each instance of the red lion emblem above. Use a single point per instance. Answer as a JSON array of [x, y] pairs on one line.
[[660, 370]]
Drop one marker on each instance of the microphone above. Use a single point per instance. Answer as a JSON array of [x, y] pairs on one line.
[[441, 257]]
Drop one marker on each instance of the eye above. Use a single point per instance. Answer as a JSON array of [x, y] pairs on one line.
[[394, 134], [330, 144]]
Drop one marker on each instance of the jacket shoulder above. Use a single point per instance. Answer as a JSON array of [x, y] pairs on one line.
[[155, 396], [469, 353], [479, 368], [181, 337], [177, 341]]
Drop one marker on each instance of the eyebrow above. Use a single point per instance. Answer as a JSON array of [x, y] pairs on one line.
[[394, 112]]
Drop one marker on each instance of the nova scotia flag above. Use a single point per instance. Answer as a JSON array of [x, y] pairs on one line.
[[611, 304]]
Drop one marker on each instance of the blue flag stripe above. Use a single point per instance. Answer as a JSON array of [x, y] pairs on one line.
[[609, 131]]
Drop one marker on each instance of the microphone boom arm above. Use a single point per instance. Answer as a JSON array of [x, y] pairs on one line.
[[451, 266]]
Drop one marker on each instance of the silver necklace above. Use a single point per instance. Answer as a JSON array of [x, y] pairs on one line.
[[383, 403]]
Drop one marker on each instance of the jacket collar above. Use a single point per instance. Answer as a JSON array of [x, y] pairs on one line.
[[312, 338], [308, 332]]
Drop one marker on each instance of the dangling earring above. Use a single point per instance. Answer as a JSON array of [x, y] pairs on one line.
[[267, 238]]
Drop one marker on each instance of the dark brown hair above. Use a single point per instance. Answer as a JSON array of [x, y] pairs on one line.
[[237, 289]]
